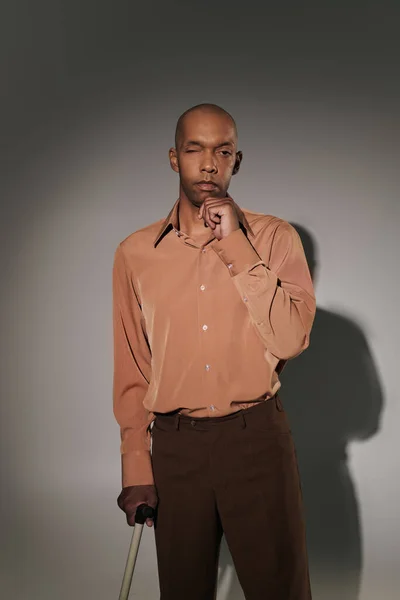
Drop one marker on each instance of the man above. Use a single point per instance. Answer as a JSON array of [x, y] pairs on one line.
[[208, 304]]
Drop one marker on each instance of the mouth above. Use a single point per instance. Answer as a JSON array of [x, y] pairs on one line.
[[206, 185]]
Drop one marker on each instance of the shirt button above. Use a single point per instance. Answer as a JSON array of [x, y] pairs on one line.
[[202, 287], [230, 265], [212, 407], [205, 327], [203, 250], [244, 298], [208, 367]]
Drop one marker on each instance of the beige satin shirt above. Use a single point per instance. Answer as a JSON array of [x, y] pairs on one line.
[[203, 328]]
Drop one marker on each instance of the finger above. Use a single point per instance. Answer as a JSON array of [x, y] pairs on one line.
[[207, 218], [130, 512], [213, 215], [121, 501], [204, 214], [210, 201], [130, 519], [131, 505], [201, 210], [206, 202], [215, 220], [149, 522]]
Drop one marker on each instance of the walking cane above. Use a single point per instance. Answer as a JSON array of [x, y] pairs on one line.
[[143, 512]]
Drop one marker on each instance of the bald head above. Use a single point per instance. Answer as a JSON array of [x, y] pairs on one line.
[[199, 109]]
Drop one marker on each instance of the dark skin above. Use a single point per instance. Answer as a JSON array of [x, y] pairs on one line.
[[206, 150]]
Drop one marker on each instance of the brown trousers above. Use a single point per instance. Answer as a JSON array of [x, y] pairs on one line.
[[235, 475]]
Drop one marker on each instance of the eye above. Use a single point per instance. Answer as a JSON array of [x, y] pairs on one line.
[[226, 152]]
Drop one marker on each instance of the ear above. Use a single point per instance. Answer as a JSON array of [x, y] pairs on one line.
[[239, 156], [173, 160]]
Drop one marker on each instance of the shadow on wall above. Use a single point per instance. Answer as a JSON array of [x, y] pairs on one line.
[[332, 396]]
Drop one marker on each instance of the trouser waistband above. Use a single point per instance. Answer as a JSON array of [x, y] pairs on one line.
[[239, 414]]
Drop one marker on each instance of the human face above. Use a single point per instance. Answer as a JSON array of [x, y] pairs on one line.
[[206, 153]]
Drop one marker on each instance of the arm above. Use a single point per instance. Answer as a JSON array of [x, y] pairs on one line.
[[132, 370], [279, 297]]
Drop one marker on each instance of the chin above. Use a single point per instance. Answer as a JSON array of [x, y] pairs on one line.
[[200, 197], [196, 201]]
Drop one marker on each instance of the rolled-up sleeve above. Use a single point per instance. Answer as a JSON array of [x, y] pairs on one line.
[[132, 371], [277, 292]]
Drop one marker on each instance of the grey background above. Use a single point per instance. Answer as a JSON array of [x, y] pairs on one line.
[[90, 95]]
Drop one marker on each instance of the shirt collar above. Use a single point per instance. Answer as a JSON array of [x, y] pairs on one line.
[[171, 221]]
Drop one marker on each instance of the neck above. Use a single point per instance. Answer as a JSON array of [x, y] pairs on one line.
[[189, 223]]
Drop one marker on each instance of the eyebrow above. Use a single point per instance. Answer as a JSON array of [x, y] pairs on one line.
[[196, 143]]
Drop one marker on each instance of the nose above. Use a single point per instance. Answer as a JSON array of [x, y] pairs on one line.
[[208, 163]]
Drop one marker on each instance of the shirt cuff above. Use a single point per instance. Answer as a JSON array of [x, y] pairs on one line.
[[236, 252], [137, 468]]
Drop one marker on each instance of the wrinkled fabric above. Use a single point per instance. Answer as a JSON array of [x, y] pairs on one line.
[[203, 328]]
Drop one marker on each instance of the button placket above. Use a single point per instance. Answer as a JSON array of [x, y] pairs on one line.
[[202, 302], [206, 313]]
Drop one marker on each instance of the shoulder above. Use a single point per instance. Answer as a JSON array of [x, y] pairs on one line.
[[268, 224], [140, 240]]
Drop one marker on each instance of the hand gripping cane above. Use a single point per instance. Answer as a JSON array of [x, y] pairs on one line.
[[143, 512]]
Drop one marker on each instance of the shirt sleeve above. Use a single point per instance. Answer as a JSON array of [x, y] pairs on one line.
[[279, 295], [132, 371]]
